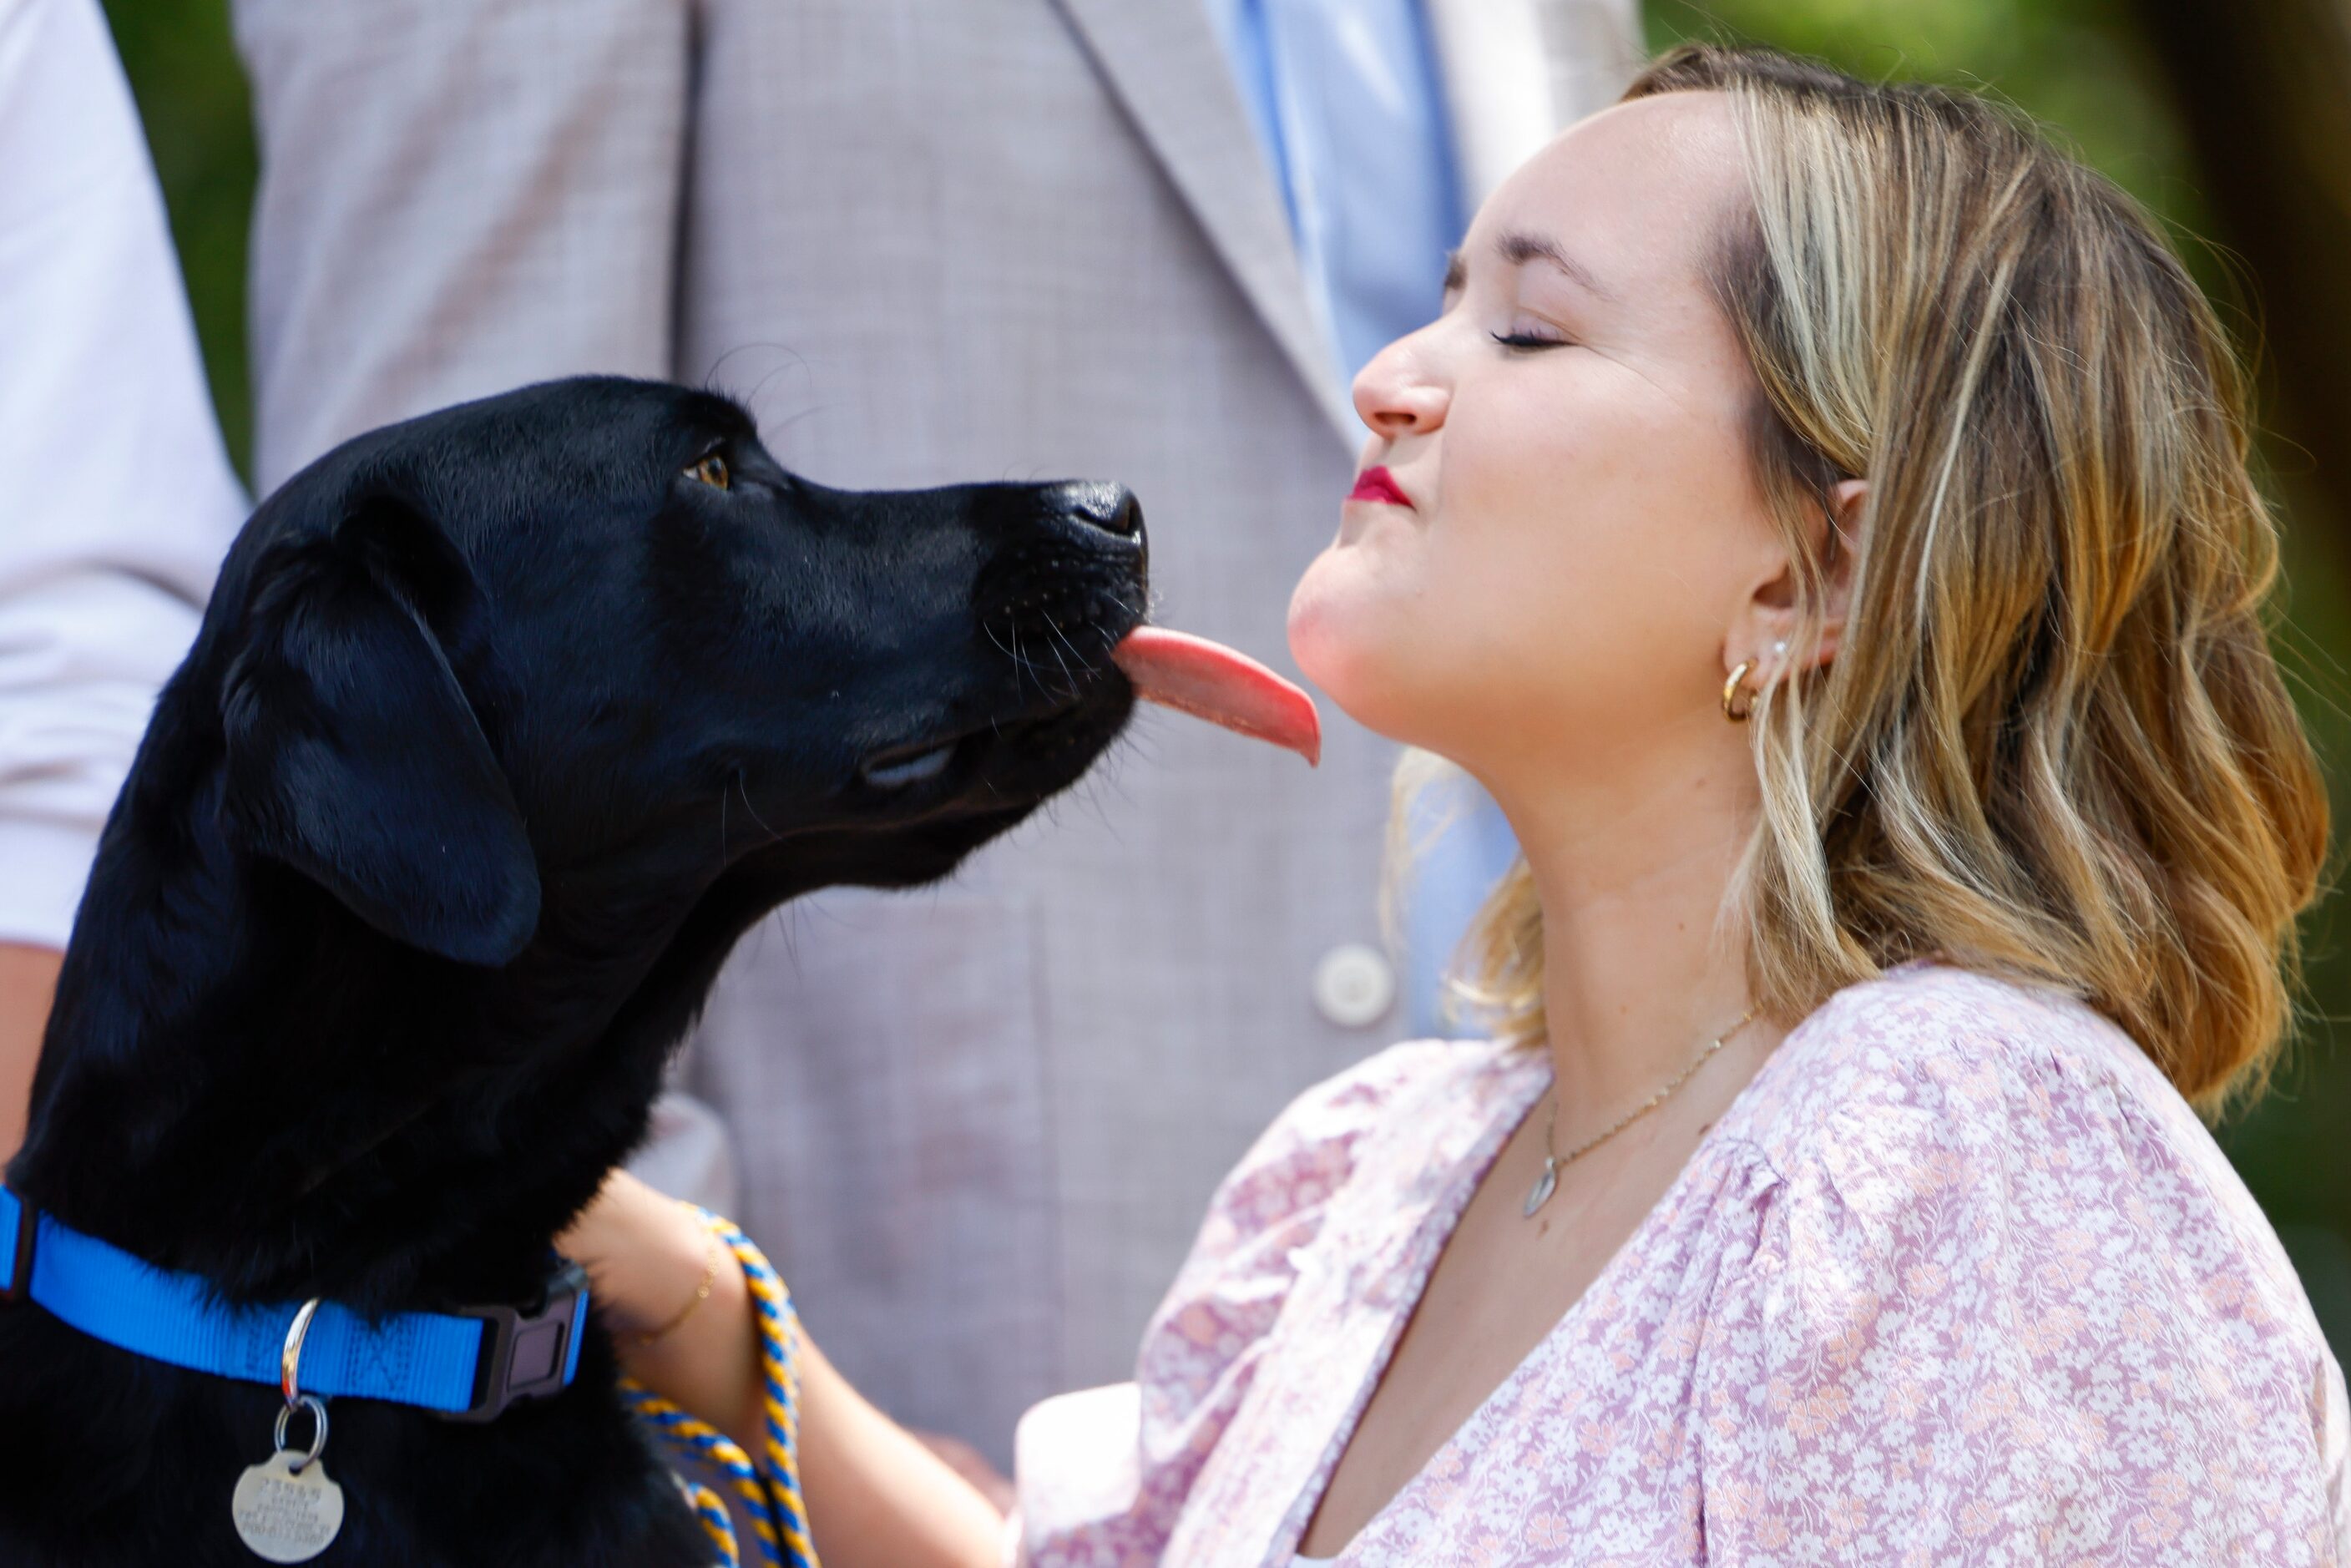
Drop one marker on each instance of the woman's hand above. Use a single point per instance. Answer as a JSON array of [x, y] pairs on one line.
[[28, 982], [645, 1254], [876, 1495]]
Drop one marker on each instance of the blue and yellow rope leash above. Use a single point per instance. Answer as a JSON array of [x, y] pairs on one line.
[[769, 1488]]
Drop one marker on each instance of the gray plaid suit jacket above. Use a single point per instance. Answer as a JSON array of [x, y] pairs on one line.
[[928, 241]]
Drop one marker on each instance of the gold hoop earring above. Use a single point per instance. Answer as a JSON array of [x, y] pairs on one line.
[[1730, 692]]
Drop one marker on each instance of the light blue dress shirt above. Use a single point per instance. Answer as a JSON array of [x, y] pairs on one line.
[[1345, 100]]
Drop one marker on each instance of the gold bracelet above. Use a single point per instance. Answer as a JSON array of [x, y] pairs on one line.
[[711, 1253]]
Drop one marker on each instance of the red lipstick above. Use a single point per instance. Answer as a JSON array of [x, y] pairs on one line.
[[1378, 485]]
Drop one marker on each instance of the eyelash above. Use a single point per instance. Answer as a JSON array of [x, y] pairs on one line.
[[1524, 343]]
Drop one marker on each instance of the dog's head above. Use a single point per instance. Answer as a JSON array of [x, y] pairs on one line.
[[502, 725], [588, 649]]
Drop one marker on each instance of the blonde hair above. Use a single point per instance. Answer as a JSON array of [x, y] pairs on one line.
[[2054, 743]]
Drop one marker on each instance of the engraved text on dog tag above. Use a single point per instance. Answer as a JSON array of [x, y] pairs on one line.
[[285, 1517]]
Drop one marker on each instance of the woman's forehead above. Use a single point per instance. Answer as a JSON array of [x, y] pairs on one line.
[[1634, 189]]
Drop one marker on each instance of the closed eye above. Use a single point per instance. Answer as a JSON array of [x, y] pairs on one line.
[[1528, 340]]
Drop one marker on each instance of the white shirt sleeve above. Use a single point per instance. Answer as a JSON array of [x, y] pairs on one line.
[[117, 500]]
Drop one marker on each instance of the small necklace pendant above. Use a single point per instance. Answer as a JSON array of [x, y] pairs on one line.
[[1539, 1193]]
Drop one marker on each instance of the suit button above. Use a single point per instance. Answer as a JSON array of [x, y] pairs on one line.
[[1353, 986]]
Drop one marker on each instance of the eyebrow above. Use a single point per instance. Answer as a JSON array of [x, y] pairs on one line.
[[1520, 248]]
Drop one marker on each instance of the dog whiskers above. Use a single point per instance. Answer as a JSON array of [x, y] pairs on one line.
[[1088, 665], [1069, 681], [1022, 663], [1083, 663], [744, 791], [1000, 648]]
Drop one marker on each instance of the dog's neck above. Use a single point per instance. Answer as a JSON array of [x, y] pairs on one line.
[[243, 1080]]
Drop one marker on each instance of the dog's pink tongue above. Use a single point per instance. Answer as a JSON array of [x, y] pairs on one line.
[[1209, 681]]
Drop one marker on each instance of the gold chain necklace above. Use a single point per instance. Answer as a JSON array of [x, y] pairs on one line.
[[1548, 1182]]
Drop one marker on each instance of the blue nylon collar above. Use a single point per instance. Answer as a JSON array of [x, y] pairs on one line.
[[469, 1364]]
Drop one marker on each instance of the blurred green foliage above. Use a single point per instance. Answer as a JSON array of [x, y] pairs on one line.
[[2077, 65], [191, 96]]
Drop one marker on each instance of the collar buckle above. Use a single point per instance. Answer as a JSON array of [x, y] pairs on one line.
[[527, 1354]]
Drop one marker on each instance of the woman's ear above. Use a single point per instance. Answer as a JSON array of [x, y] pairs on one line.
[[1848, 505], [1766, 641]]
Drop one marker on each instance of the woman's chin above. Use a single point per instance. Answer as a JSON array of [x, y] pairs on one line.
[[1324, 626], [1348, 653]]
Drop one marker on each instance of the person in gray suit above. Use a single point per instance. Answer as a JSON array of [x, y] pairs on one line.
[[927, 243]]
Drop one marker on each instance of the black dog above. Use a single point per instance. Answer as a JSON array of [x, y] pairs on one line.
[[503, 725]]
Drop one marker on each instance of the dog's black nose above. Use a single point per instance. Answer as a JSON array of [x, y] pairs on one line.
[[1109, 507]]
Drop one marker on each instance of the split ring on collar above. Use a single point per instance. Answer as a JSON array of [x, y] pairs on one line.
[[317, 1409], [289, 1360], [289, 1368]]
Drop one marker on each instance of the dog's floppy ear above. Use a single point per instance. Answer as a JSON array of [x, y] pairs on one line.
[[353, 754]]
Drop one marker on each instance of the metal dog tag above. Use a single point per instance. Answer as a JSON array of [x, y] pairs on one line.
[[283, 1516]]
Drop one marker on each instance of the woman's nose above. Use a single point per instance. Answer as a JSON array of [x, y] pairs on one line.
[[1397, 395]]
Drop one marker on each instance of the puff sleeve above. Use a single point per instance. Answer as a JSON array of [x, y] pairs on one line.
[[1102, 1474], [2009, 1305]]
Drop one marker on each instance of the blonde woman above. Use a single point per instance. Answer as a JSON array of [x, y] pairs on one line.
[[1820, 516]]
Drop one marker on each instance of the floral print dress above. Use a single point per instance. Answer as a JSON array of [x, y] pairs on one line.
[[1958, 1278]]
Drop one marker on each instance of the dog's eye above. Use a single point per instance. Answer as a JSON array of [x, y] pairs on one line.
[[712, 471]]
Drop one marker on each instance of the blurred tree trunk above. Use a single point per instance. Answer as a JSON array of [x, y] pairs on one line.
[[2263, 90]]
